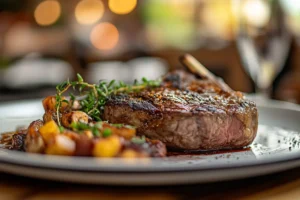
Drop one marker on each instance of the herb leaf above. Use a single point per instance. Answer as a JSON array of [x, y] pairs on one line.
[[96, 96], [106, 132], [139, 140], [80, 79]]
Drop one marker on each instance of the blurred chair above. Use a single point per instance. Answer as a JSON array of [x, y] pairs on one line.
[[107, 70], [33, 71], [148, 67]]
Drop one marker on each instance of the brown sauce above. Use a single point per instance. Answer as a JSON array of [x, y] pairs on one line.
[[201, 152]]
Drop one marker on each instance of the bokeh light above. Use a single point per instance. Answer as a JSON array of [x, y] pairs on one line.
[[257, 12], [89, 11], [122, 7], [47, 12], [292, 6], [104, 36]]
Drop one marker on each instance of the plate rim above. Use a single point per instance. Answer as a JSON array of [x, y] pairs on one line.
[[17, 158]]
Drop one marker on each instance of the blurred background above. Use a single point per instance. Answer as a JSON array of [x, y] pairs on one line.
[[253, 45]]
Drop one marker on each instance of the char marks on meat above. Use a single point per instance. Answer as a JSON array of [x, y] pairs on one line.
[[187, 113]]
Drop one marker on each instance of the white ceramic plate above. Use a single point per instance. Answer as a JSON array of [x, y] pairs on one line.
[[276, 148]]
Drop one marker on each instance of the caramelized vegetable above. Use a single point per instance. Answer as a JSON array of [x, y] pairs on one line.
[[18, 141], [49, 104], [84, 146], [34, 142], [129, 153], [61, 145], [49, 116], [74, 117], [127, 132], [49, 130], [108, 147]]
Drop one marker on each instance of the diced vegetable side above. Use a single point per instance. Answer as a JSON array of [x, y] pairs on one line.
[[80, 136], [73, 127]]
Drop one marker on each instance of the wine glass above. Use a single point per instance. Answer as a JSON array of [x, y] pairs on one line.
[[263, 41]]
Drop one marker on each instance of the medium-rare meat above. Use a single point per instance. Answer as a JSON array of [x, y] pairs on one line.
[[187, 113]]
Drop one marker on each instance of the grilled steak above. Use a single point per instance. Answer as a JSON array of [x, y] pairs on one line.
[[187, 113]]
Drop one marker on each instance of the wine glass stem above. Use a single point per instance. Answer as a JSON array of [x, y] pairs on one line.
[[263, 93]]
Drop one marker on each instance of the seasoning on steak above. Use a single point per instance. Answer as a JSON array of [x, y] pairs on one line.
[[187, 113]]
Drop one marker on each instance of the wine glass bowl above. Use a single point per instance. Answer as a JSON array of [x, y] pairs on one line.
[[263, 41]]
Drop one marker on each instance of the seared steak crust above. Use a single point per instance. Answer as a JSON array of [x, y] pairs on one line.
[[187, 113]]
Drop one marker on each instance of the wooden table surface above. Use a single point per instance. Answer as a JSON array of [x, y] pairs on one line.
[[283, 185]]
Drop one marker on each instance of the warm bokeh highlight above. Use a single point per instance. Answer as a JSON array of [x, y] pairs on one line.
[[89, 11], [47, 12], [122, 7], [104, 36]]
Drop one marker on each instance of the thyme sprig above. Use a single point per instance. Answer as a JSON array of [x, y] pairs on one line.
[[79, 126], [96, 95]]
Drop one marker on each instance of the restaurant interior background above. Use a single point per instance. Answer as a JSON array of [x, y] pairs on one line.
[[43, 42]]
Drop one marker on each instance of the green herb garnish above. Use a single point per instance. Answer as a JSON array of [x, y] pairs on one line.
[[96, 128], [61, 129], [118, 125], [79, 126], [106, 132], [139, 140], [96, 95]]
